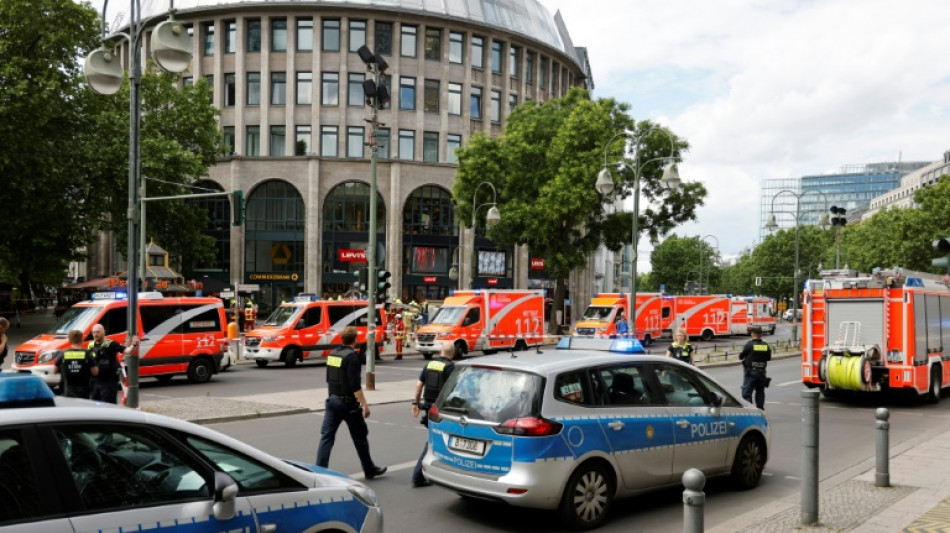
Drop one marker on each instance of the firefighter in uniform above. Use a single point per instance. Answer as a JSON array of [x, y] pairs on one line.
[[250, 315], [431, 381], [77, 366], [755, 356], [399, 334], [343, 405], [680, 349], [105, 351]]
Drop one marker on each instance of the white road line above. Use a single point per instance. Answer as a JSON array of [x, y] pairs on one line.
[[391, 468], [790, 383]]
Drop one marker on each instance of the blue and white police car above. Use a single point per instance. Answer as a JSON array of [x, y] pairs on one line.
[[74, 466], [575, 429]]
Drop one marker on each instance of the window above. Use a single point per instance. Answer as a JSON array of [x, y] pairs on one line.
[[230, 36], [278, 88], [453, 142], [230, 86], [354, 141], [623, 386], [304, 88], [329, 137], [554, 76], [302, 140], [187, 81], [456, 47], [514, 61], [475, 103], [543, 73], [21, 498], [430, 98], [512, 102], [155, 317], [251, 476], [253, 88], [331, 35], [278, 136], [330, 85], [229, 140], [382, 143], [407, 144], [357, 34], [429, 210], [677, 386], [495, 111], [573, 387], [529, 67], [496, 47], [407, 93], [407, 41], [354, 89], [455, 98], [208, 32], [383, 38], [305, 35], [254, 35], [253, 141], [433, 44], [278, 35], [478, 52], [430, 147]]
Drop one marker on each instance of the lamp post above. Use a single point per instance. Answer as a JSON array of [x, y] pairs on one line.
[[171, 50], [605, 186], [492, 218], [702, 261], [772, 225]]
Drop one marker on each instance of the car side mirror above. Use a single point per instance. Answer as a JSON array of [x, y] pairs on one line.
[[225, 496], [717, 401]]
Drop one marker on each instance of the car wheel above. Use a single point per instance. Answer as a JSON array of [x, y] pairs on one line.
[[200, 371], [290, 356], [706, 335], [261, 363], [749, 463], [164, 378], [587, 497], [460, 349], [933, 394]]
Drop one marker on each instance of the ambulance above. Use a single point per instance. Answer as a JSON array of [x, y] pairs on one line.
[[606, 310], [310, 327], [714, 315], [178, 335], [485, 319], [873, 333]]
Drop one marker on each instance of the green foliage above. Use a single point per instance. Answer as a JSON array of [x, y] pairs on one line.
[[678, 260]]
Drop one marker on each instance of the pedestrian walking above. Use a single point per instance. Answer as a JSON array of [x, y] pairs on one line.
[[77, 366], [680, 349], [343, 405], [4, 326], [431, 380], [106, 351], [755, 356]]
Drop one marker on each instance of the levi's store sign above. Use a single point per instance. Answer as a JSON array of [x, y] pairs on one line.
[[537, 263], [493, 281], [429, 279], [351, 256]]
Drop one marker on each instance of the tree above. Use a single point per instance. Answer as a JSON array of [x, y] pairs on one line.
[[544, 166], [679, 260], [774, 259]]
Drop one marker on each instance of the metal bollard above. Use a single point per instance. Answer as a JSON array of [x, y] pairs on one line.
[[882, 477], [809, 510], [693, 500]]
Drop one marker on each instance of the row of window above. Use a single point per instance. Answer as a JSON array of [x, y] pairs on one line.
[[355, 142], [383, 41]]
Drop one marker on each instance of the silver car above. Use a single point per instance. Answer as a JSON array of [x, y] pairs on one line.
[[574, 429]]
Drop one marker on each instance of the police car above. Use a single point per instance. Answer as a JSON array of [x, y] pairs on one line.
[[574, 429], [71, 465]]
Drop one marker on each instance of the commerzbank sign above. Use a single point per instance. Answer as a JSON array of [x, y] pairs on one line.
[[273, 276]]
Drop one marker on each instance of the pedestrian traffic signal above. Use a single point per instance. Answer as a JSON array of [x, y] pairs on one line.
[[383, 285], [942, 246], [237, 207]]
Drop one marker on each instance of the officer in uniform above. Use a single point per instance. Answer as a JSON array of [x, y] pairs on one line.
[[755, 356], [343, 405], [77, 366], [400, 335], [680, 349], [431, 381], [105, 351], [250, 316]]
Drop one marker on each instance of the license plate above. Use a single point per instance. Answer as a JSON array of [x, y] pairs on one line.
[[467, 445]]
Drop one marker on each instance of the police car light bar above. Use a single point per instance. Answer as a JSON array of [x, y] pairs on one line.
[[20, 390]]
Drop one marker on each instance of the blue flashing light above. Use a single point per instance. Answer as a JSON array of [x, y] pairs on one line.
[[21, 390], [913, 282], [627, 346], [111, 295]]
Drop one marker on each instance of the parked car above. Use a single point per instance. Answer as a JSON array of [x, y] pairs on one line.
[[787, 315]]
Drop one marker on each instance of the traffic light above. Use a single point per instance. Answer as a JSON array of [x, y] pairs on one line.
[[237, 207], [942, 246], [359, 278], [837, 216], [383, 285]]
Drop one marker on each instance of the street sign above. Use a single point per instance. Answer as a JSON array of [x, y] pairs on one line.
[[227, 294], [248, 287]]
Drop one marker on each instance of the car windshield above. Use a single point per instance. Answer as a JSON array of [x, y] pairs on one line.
[[595, 312], [75, 318], [491, 394], [282, 316], [448, 316]]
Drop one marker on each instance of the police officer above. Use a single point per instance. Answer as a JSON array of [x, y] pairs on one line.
[[77, 366], [343, 405], [106, 383], [680, 349], [431, 381], [755, 356]]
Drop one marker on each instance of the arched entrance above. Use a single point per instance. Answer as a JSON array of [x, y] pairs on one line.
[[429, 241], [346, 235]]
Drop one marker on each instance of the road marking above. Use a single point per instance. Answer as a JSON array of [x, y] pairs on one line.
[[790, 383], [391, 468]]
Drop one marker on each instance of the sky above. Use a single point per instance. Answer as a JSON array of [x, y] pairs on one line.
[[772, 89]]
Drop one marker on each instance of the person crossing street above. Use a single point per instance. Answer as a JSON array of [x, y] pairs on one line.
[[755, 356], [431, 380]]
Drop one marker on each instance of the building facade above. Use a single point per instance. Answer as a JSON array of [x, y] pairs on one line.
[[903, 195]]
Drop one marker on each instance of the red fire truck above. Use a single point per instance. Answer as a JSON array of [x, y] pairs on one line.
[[878, 332]]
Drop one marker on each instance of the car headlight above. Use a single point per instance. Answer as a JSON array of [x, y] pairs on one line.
[[271, 339], [444, 335], [48, 356], [363, 494]]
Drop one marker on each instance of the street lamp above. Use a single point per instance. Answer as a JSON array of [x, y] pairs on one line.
[[702, 261], [772, 225], [171, 50], [605, 186], [492, 218]]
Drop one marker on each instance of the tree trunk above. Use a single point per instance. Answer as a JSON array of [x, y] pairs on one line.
[[557, 304]]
